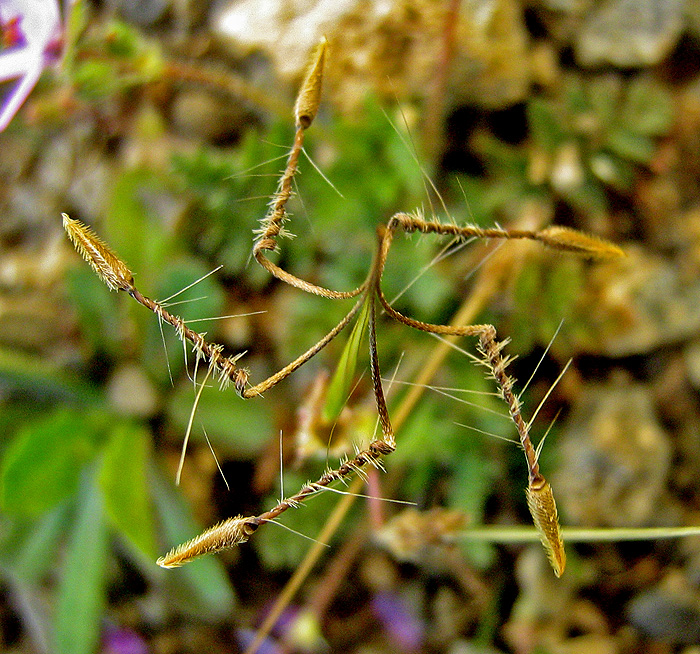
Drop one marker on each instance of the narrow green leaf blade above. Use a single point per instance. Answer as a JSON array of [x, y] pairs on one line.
[[81, 594], [123, 480], [339, 386]]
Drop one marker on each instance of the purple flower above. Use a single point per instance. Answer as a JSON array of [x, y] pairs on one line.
[[117, 640], [406, 630], [31, 38], [246, 637]]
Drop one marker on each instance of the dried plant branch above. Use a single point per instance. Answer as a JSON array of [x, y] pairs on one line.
[[237, 530], [272, 225]]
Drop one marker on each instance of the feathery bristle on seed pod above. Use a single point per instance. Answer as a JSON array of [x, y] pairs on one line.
[[564, 238], [110, 268], [309, 97], [228, 533], [540, 501]]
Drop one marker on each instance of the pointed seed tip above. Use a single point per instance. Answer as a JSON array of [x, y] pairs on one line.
[[108, 266], [309, 97], [543, 509], [571, 240]]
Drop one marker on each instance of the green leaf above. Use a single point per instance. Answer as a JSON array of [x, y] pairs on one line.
[[42, 466], [75, 24], [544, 124], [213, 596], [36, 554], [124, 483], [95, 80], [564, 285], [527, 292], [613, 171], [631, 145], [427, 436], [81, 593], [133, 228], [469, 491], [36, 376], [343, 377], [96, 309], [648, 108], [241, 427], [603, 96]]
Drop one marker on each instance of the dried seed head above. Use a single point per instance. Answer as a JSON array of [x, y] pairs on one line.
[[309, 96], [228, 533], [563, 238], [111, 269], [543, 509]]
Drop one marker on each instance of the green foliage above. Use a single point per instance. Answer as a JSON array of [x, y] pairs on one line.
[[545, 293], [43, 465], [124, 484], [239, 426], [592, 136], [134, 227], [469, 488], [344, 375], [29, 546], [607, 128], [228, 191], [281, 548], [202, 586], [96, 310], [121, 59], [102, 468], [81, 592]]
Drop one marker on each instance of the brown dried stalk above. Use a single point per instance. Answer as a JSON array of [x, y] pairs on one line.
[[237, 530]]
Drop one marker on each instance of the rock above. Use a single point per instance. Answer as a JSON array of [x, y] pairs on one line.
[[661, 616], [630, 33], [200, 115], [144, 13], [614, 458], [393, 49], [131, 392], [637, 304]]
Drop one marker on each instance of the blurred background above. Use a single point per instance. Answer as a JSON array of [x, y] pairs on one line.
[[164, 125]]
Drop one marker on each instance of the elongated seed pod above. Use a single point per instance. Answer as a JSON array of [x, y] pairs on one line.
[[228, 533], [564, 238], [309, 96], [540, 501], [110, 268]]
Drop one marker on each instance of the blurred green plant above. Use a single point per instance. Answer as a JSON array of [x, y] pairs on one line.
[[588, 143], [83, 468]]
